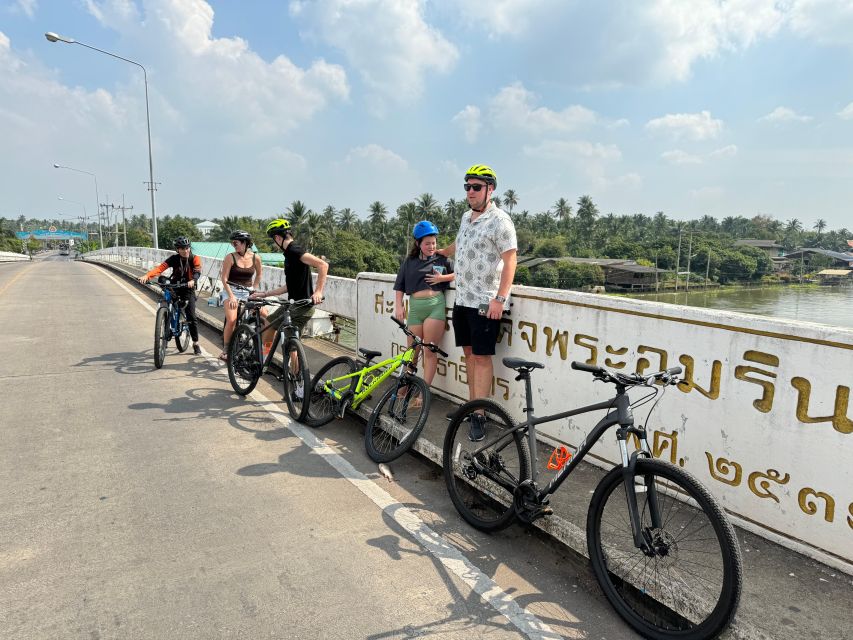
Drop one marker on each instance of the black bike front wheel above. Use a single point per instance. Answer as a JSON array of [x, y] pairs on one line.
[[244, 368], [161, 336], [481, 482], [397, 419], [296, 378], [692, 564], [182, 338], [327, 395]]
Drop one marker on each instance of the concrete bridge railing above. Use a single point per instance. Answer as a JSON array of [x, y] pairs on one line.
[[762, 416]]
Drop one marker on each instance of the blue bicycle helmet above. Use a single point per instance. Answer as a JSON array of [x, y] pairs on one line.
[[424, 228]]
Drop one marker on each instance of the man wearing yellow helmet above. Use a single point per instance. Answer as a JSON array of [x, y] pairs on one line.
[[485, 250], [297, 277]]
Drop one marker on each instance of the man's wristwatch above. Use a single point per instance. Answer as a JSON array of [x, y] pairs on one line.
[[500, 299]]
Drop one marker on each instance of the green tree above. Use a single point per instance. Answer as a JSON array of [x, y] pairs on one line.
[[170, 227], [545, 275], [551, 248], [510, 199]]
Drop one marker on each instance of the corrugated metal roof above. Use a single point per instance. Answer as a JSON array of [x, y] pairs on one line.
[[835, 272], [220, 249]]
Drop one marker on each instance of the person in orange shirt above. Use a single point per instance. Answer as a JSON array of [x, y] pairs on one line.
[[185, 267]]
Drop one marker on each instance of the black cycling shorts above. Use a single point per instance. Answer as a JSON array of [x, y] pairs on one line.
[[470, 329]]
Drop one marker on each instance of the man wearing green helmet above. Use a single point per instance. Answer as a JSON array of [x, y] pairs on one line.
[[297, 277], [485, 251]]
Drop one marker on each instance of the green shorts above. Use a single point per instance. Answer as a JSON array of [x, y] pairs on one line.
[[422, 308], [298, 315]]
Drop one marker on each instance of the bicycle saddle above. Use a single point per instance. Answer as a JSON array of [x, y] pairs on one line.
[[520, 363], [369, 353]]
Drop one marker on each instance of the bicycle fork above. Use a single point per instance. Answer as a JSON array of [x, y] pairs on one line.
[[642, 535]]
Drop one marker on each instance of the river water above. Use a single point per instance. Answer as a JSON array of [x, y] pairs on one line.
[[809, 303]]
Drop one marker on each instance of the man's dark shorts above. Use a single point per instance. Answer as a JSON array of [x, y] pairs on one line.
[[298, 315], [473, 330]]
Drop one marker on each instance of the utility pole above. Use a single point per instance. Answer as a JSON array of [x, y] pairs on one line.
[[121, 208], [708, 267], [678, 259], [689, 257]]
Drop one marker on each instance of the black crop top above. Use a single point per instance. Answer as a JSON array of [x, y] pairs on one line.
[[413, 271]]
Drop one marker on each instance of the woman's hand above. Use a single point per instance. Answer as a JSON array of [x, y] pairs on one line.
[[143, 279], [400, 314], [232, 303]]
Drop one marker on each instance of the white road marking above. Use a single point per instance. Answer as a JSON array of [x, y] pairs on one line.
[[447, 554]]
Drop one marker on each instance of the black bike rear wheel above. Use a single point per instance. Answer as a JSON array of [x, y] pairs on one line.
[[244, 368], [182, 338], [482, 485], [296, 378], [161, 336], [696, 561], [398, 419], [326, 396]]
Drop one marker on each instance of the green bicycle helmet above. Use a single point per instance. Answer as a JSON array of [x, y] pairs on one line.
[[278, 227], [482, 172]]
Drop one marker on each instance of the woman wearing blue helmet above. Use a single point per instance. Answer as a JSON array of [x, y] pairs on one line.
[[424, 276]]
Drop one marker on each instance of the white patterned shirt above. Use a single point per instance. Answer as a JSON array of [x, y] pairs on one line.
[[479, 246]]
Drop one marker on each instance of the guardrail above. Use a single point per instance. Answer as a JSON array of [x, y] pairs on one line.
[[11, 256]]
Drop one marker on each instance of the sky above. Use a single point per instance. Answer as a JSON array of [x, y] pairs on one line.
[[690, 107]]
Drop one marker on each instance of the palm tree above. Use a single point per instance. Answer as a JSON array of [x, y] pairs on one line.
[[510, 199], [794, 225], [819, 226], [427, 206], [329, 218], [563, 210], [407, 214], [587, 213], [347, 218], [312, 226], [296, 213]]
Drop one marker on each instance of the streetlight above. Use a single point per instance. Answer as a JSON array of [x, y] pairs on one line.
[[53, 37], [85, 215], [97, 199]]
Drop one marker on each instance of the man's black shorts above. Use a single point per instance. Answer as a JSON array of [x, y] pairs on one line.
[[473, 330]]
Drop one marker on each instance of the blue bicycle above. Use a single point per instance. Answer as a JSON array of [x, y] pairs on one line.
[[171, 320]]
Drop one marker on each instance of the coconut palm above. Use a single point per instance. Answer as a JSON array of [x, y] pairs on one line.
[[347, 219], [510, 199], [819, 226]]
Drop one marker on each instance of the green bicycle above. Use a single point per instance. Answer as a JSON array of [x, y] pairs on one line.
[[397, 419]]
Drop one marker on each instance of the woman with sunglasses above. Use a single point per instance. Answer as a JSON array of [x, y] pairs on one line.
[[485, 249], [242, 267]]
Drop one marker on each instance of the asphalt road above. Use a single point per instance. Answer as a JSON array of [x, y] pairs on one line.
[[144, 503]]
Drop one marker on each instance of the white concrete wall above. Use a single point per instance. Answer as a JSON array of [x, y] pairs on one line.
[[11, 256], [762, 418], [339, 292]]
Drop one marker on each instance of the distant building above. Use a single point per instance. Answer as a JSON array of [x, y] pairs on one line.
[[804, 255], [619, 273], [204, 228], [774, 251]]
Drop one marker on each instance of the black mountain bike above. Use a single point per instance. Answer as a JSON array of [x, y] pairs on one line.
[[655, 535], [248, 359], [171, 320]]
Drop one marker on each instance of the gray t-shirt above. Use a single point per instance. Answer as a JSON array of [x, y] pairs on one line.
[[413, 271], [479, 246]]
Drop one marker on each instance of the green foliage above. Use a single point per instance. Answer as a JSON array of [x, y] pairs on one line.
[[574, 275], [551, 248], [171, 227], [522, 275], [545, 275], [349, 254]]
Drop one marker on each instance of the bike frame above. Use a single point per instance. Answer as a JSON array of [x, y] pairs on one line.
[[362, 392], [175, 326], [620, 414], [261, 326]]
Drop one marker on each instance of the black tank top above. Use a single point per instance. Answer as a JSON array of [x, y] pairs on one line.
[[242, 275]]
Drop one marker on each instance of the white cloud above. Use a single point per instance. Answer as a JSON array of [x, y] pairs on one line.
[[376, 156], [784, 114], [27, 7], [729, 151], [846, 113], [279, 159], [566, 149], [502, 17], [513, 108], [387, 41], [469, 121], [693, 126], [677, 156], [824, 21]]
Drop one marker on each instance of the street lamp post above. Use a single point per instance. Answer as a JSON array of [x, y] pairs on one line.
[[53, 37], [97, 200], [85, 217]]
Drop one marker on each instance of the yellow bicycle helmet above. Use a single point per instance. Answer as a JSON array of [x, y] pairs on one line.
[[278, 227], [482, 172]]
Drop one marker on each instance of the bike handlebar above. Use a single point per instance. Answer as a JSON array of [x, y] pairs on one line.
[[418, 341], [625, 379]]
